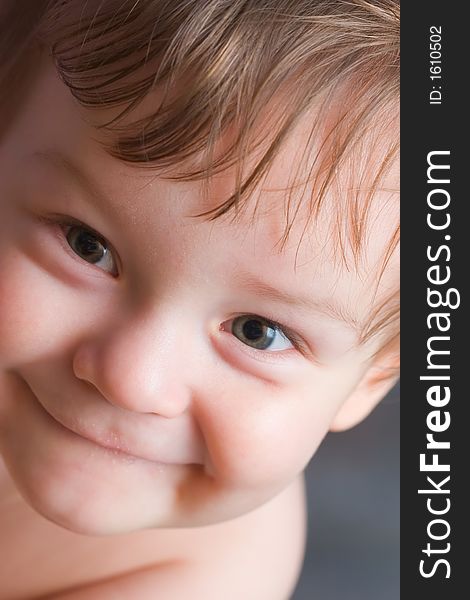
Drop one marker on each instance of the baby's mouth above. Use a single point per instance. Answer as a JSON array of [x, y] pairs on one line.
[[116, 449], [148, 437], [111, 443]]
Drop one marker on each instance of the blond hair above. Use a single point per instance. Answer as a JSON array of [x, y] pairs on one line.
[[220, 64]]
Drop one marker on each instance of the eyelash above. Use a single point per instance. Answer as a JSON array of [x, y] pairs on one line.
[[285, 331], [62, 221]]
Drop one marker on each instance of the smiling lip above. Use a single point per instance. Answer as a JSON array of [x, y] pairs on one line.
[[117, 449], [115, 443]]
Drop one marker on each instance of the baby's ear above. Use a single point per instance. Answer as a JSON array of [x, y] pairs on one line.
[[374, 385]]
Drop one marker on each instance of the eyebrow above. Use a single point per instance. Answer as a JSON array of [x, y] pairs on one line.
[[242, 278], [326, 307], [63, 163]]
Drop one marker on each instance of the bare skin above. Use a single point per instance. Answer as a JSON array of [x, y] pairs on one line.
[[264, 548], [150, 450]]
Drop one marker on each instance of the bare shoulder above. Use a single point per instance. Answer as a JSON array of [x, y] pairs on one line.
[[255, 557]]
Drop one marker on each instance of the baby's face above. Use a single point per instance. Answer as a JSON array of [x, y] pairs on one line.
[[208, 365]]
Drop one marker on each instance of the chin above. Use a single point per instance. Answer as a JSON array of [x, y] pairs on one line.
[[92, 517], [90, 507]]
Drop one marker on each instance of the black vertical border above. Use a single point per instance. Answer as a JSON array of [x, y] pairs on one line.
[[426, 128]]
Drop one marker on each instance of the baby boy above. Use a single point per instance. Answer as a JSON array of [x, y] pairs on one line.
[[198, 280]]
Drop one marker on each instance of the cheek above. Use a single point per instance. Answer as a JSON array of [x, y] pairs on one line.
[[258, 438], [32, 312]]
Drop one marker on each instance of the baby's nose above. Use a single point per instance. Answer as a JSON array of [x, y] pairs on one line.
[[138, 366]]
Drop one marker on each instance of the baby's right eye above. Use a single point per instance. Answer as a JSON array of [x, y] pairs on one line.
[[90, 247], [84, 243]]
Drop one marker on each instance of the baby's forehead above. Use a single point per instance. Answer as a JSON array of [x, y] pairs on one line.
[[308, 246], [309, 264], [349, 210], [317, 175], [281, 218], [254, 232], [347, 241]]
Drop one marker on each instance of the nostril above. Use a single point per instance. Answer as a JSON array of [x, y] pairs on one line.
[[89, 385], [84, 365], [79, 365]]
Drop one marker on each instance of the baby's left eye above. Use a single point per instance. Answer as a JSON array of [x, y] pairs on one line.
[[91, 248], [259, 333]]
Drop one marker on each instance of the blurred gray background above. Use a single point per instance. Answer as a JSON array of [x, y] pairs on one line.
[[353, 492]]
